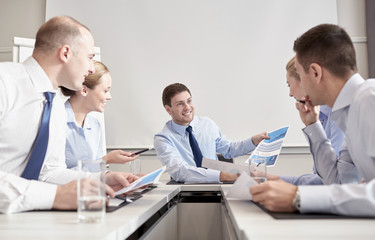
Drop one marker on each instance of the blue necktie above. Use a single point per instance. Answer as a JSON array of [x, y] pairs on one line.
[[36, 159], [195, 148]]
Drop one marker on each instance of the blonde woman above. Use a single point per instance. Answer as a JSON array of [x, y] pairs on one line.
[[84, 135]]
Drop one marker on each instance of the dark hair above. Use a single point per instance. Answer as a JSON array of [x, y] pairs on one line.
[[171, 90], [92, 80], [329, 46]]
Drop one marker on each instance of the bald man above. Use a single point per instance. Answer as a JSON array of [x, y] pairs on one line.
[[63, 56]]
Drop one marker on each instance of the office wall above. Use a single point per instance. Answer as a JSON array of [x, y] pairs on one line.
[[23, 17], [20, 18], [231, 54]]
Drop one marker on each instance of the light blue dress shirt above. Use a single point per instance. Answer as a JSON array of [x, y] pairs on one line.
[[84, 143], [330, 167], [334, 134], [353, 112], [173, 149]]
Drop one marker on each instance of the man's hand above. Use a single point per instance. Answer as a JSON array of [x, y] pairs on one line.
[[119, 157], [259, 137], [308, 113], [227, 177], [119, 180], [66, 197], [276, 196]]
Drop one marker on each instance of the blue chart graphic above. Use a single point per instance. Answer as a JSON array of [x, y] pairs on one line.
[[269, 160], [269, 149], [151, 177], [276, 135]]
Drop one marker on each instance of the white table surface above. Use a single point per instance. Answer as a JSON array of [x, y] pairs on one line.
[[250, 222]]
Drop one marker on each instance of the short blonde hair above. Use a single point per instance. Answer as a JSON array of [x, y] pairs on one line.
[[291, 68], [92, 80]]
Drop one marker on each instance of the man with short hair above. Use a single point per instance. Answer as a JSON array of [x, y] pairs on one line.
[[173, 145], [326, 64], [63, 54]]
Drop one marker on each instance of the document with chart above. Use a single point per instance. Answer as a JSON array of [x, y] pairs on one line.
[[269, 149], [148, 179]]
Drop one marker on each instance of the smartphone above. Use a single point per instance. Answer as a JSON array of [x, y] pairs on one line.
[[139, 152]]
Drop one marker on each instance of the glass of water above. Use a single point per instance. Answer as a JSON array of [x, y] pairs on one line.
[[258, 168], [91, 191], [135, 166]]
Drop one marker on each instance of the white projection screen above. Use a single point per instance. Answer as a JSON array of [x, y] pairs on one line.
[[230, 53]]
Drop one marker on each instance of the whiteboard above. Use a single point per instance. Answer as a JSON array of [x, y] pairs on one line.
[[231, 54]]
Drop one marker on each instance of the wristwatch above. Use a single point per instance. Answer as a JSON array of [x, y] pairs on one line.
[[297, 201]]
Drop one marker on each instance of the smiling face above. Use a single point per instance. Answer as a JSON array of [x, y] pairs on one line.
[[97, 97], [181, 109]]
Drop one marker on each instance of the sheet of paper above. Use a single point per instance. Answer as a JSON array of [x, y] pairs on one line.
[[224, 166], [241, 187], [269, 149], [148, 179]]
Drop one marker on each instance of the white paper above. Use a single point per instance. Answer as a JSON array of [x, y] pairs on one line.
[[241, 187], [148, 179], [269, 149], [224, 166]]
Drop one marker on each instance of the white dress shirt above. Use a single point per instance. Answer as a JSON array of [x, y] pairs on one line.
[[353, 112], [21, 105]]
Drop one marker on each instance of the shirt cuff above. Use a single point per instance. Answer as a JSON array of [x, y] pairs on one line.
[[314, 199], [40, 195], [213, 175], [315, 132], [249, 144]]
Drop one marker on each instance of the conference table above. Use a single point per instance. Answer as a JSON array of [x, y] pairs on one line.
[[180, 211]]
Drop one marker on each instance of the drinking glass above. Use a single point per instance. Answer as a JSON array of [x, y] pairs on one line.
[[258, 169], [91, 191]]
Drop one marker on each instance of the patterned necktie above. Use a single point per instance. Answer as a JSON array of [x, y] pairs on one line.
[[195, 148], [35, 163]]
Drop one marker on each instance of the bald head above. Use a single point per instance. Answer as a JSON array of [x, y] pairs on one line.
[[58, 31], [64, 48]]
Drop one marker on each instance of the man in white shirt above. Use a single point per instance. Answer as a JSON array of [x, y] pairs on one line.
[[326, 64], [63, 54]]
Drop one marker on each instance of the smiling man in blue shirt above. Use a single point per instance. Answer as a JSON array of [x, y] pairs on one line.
[[173, 147]]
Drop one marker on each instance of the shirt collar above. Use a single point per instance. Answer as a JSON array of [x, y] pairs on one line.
[[70, 113], [181, 129], [346, 95], [72, 119], [38, 77], [325, 109]]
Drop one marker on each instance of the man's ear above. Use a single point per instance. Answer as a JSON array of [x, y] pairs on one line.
[[84, 90], [65, 53], [316, 72], [168, 109]]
